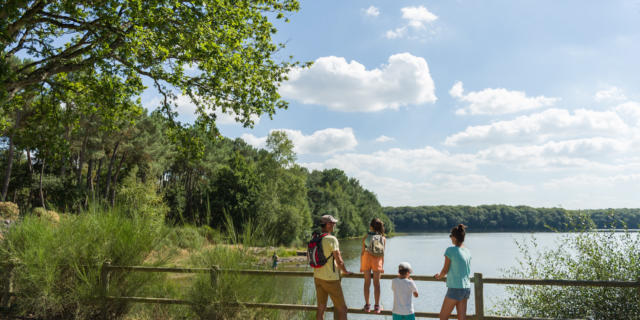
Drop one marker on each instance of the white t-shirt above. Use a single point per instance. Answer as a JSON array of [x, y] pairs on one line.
[[402, 291]]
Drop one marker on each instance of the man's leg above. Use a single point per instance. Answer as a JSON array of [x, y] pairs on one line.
[[321, 296], [339, 305]]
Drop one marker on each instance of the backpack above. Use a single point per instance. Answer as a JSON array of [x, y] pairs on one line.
[[376, 245], [315, 252]]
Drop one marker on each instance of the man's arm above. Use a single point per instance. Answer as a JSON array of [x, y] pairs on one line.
[[340, 262]]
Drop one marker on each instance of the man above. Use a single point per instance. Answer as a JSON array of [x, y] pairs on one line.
[[327, 277]]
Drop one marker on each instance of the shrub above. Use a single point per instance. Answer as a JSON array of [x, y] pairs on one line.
[[46, 214], [56, 267], [184, 237], [140, 198], [587, 255], [9, 210]]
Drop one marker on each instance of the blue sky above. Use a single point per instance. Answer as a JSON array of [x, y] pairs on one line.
[[466, 102]]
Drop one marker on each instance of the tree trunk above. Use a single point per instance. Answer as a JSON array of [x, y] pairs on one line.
[[7, 171], [115, 179], [81, 156], [113, 159], [29, 165], [41, 192], [97, 184], [89, 184]]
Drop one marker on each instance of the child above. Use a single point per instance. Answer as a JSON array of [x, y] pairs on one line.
[[403, 287], [372, 262]]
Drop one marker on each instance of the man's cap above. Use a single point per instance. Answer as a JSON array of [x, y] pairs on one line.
[[405, 266], [328, 218]]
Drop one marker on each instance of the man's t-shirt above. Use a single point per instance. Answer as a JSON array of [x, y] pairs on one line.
[[402, 291], [460, 268], [329, 245]]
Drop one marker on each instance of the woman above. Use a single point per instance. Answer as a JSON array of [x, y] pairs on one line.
[[372, 261], [457, 269]]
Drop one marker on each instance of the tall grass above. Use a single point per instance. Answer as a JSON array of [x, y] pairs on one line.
[[55, 266], [219, 296]]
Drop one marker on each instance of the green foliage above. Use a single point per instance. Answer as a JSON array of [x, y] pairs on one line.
[[503, 218], [230, 44], [140, 198], [586, 255], [56, 266]]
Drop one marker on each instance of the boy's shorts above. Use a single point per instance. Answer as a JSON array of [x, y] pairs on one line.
[[404, 316], [326, 289]]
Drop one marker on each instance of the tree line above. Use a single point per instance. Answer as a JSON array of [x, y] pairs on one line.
[[488, 218]]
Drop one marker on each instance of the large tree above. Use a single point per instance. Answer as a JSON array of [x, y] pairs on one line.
[[219, 53]]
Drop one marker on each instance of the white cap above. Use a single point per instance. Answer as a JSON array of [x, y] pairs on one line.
[[405, 266]]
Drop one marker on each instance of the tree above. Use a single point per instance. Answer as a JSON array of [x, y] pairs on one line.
[[219, 53]]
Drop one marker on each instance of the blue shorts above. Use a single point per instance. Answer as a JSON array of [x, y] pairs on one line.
[[404, 316], [458, 294]]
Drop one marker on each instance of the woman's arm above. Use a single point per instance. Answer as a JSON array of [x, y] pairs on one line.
[[445, 268]]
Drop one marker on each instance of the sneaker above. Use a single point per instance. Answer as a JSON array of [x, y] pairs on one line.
[[367, 307], [377, 308]]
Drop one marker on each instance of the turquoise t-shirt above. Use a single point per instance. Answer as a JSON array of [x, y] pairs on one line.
[[460, 268]]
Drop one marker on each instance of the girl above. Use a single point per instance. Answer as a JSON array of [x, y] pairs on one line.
[[372, 260], [457, 269]]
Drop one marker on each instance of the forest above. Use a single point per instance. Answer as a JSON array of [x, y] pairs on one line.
[[65, 160], [492, 218]]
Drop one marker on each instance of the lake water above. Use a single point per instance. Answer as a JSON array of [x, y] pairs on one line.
[[492, 253]]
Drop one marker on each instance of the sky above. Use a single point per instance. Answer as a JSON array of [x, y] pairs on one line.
[[464, 102]]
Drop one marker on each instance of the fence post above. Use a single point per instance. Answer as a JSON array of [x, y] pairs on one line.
[[479, 295], [104, 285], [214, 276]]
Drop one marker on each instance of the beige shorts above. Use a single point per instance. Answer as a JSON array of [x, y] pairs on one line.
[[326, 289]]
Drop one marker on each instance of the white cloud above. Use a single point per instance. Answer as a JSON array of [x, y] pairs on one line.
[[383, 139], [326, 141], [497, 101], [416, 18], [372, 11], [543, 126], [187, 111], [612, 94], [349, 86]]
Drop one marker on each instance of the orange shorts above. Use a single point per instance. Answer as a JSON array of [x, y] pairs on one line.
[[370, 262]]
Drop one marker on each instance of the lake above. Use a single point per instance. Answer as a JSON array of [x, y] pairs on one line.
[[492, 253]]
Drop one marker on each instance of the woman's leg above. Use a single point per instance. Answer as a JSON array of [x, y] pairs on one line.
[[461, 309], [447, 306], [367, 284], [376, 286]]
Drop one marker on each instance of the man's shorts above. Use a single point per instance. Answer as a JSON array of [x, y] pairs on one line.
[[458, 294], [326, 289], [404, 316]]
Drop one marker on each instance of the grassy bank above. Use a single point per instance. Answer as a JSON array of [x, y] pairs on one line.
[[54, 266]]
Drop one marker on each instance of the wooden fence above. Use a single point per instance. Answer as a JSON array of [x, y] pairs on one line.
[[477, 279]]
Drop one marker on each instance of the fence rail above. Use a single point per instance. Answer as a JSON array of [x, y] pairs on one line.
[[477, 279]]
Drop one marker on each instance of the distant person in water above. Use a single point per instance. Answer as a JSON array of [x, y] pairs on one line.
[[372, 261], [275, 260], [457, 269]]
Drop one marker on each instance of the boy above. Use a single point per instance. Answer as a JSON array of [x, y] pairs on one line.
[[403, 287]]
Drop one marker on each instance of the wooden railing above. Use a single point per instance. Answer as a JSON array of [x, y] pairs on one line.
[[477, 279]]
